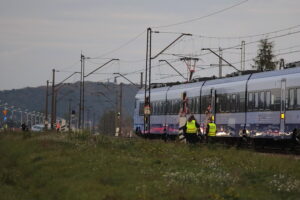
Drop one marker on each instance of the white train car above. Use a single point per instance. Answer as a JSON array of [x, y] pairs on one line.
[[259, 105]]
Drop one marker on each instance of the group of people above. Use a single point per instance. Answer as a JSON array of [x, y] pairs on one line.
[[192, 128]]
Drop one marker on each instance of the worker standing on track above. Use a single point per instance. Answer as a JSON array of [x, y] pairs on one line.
[[190, 130], [211, 130]]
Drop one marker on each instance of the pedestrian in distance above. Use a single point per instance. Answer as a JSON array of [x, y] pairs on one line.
[[58, 127], [23, 126]]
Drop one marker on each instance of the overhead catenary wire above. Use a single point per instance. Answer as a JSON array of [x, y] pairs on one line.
[[202, 54], [237, 37], [121, 46], [202, 17], [238, 45]]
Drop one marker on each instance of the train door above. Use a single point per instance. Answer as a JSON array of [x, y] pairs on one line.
[[282, 105], [213, 104]]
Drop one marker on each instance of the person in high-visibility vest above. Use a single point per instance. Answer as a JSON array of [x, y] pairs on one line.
[[190, 130], [211, 129], [58, 127]]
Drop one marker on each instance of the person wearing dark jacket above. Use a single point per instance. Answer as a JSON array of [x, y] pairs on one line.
[[190, 130]]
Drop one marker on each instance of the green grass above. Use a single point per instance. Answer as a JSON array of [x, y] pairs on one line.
[[52, 166]]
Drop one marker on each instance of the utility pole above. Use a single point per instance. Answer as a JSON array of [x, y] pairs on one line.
[[70, 113], [149, 58], [46, 107], [243, 55], [80, 93], [220, 62], [55, 106], [83, 69], [142, 74], [53, 100], [147, 85], [120, 107], [117, 130]]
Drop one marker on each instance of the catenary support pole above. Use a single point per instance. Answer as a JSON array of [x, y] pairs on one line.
[[53, 99], [46, 106]]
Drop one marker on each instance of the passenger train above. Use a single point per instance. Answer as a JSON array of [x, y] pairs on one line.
[[255, 105]]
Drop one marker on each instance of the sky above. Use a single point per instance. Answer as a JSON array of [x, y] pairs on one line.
[[37, 36]]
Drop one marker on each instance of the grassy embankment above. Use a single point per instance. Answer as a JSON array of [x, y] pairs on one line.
[[51, 166]]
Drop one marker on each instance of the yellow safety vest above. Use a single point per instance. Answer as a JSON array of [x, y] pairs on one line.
[[191, 127], [212, 129]]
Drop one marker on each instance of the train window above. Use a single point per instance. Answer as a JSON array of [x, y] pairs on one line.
[[192, 105], [162, 107], [172, 107], [298, 97], [237, 102], [197, 104], [152, 108], [250, 101], [217, 104], [194, 109], [261, 103], [158, 108], [233, 103], [256, 101], [242, 102], [268, 100], [291, 98], [168, 107], [178, 106], [275, 99], [228, 99], [141, 109], [221, 106], [204, 104]]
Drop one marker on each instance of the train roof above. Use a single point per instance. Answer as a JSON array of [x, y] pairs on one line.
[[213, 81], [276, 73], [227, 80]]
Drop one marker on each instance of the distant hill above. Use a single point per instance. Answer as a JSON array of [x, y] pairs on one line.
[[99, 98]]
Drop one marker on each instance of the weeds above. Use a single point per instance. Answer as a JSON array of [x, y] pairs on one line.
[[84, 166]]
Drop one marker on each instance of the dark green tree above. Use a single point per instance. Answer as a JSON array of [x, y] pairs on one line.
[[264, 60]]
